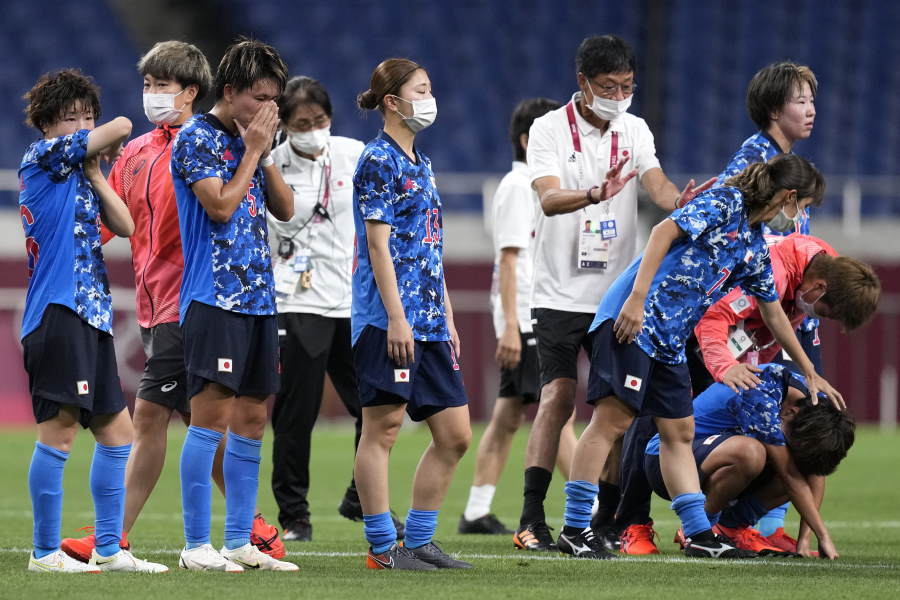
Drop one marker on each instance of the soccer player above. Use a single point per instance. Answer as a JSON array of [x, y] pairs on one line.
[[513, 232], [67, 325], [781, 102], [638, 365], [176, 76], [757, 447], [584, 237], [405, 344], [225, 182]]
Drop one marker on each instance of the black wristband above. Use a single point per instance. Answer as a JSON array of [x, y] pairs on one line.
[[589, 198]]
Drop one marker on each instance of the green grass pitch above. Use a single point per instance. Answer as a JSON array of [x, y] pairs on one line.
[[861, 508]]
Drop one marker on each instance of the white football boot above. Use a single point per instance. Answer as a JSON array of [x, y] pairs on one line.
[[59, 562], [205, 558], [123, 560], [249, 557]]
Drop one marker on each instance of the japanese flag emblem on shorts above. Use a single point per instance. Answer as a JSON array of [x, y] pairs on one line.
[[82, 387], [225, 365], [401, 375], [633, 383]]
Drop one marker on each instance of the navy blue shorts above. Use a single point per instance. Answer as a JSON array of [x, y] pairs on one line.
[[430, 384], [703, 447], [647, 386], [164, 380], [235, 350], [71, 363]]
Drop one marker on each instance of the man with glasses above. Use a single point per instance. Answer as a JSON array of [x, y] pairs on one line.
[[582, 159]]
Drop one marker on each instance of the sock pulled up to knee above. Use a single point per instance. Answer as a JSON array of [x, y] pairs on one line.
[[689, 508], [745, 512], [420, 527], [537, 482], [772, 520], [108, 490], [380, 531], [579, 500], [45, 483], [197, 457], [241, 469]]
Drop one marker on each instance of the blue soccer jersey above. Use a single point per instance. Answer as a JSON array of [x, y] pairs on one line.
[[754, 413], [61, 217], [759, 148], [226, 265], [719, 252], [390, 188]]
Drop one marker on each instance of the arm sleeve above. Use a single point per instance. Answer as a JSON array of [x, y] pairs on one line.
[[196, 156], [512, 212], [709, 210], [644, 151], [713, 329], [375, 186], [542, 153], [759, 280], [756, 411], [63, 155]]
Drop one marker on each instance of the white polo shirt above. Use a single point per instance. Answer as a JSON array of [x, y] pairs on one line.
[[514, 208], [327, 242], [558, 283]]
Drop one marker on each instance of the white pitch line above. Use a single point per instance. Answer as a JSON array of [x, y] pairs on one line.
[[799, 562]]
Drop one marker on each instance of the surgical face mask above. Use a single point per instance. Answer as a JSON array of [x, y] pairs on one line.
[[783, 223], [606, 108], [424, 113], [160, 108], [310, 142], [808, 307]]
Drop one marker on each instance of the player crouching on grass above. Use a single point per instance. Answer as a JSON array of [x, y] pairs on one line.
[[757, 448], [67, 325]]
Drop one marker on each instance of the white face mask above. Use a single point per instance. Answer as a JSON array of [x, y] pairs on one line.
[[160, 108], [606, 108], [310, 142], [808, 307], [424, 113], [783, 223]]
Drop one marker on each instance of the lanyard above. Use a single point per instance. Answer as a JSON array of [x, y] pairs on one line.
[[576, 144], [326, 195]]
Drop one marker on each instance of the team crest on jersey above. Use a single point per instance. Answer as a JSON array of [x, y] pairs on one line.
[[401, 375], [225, 365], [82, 387]]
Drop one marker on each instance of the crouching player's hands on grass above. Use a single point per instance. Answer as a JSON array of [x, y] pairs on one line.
[[826, 549], [630, 319], [741, 377]]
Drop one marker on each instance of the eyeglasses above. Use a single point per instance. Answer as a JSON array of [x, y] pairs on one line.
[[609, 90], [307, 125]]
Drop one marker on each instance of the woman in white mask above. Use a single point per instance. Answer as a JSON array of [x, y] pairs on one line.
[[313, 259]]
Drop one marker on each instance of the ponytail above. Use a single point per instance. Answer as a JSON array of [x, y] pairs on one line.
[[759, 182]]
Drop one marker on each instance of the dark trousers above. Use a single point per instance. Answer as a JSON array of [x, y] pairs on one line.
[[634, 505], [311, 346]]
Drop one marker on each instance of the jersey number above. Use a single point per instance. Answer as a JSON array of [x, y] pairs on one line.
[[725, 273], [31, 246], [432, 232], [252, 199]]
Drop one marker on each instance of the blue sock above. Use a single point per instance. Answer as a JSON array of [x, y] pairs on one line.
[[380, 531], [690, 510], [241, 468], [714, 518], [197, 457], [772, 520], [108, 490], [45, 482], [579, 501], [744, 513], [420, 526]]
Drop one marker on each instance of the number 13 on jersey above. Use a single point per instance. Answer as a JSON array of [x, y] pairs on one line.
[[432, 226]]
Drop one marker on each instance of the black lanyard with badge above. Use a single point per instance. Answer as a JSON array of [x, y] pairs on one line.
[[595, 236]]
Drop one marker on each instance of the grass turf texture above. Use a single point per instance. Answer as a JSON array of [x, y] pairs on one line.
[[860, 507]]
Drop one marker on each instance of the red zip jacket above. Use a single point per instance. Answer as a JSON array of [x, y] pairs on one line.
[[142, 179], [790, 257]]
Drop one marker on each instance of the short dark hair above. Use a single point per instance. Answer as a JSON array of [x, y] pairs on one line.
[[523, 116], [247, 61], [302, 90], [604, 54], [56, 92], [180, 61], [819, 437], [772, 86]]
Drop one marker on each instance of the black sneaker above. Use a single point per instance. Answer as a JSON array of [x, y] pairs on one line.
[[352, 509], [397, 557], [433, 555], [609, 537], [707, 545], [487, 524], [583, 545], [535, 537], [298, 531]]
